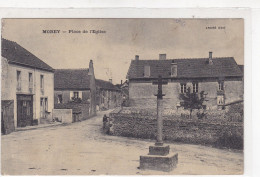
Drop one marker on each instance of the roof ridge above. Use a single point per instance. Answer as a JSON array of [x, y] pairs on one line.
[[179, 59], [73, 69]]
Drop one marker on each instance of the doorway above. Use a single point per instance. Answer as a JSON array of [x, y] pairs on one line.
[[44, 107], [24, 110]]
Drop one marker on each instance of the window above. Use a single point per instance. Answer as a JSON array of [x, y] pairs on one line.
[[75, 94], [183, 88], [44, 107], [147, 71], [59, 99], [195, 87], [221, 85], [103, 97], [18, 77], [42, 82], [30, 81], [220, 100]]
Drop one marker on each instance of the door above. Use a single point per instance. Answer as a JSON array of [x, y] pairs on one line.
[[24, 110], [44, 107]]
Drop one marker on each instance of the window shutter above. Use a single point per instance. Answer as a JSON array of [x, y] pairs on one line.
[[71, 94], [80, 94]]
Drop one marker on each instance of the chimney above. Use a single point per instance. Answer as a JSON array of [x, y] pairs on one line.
[[173, 69], [137, 57], [91, 68], [210, 58], [110, 80], [162, 56]]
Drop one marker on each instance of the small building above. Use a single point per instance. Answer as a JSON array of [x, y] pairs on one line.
[[28, 84], [76, 89], [221, 80], [108, 95]]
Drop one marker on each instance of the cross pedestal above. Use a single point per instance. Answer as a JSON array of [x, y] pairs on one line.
[[159, 157]]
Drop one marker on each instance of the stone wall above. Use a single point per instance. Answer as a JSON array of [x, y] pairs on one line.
[[212, 131], [80, 111], [63, 115], [141, 94]]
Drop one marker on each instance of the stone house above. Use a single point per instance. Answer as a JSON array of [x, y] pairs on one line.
[[28, 83], [76, 86], [108, 95], [220, 78]]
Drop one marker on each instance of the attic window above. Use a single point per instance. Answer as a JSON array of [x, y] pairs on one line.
[[173, 69], [147, 72], [221, 85]]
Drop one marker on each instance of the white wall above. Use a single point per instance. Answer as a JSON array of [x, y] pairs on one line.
[[9, 83]]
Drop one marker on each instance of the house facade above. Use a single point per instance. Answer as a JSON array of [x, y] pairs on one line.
[[76, 86], [219, 78], [108, 95], [28, 81]]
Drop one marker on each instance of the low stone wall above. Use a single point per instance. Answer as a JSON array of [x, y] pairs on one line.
[[63, 115], [80, 111], [176, 129]]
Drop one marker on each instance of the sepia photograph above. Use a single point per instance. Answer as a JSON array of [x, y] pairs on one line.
[[122, 96]]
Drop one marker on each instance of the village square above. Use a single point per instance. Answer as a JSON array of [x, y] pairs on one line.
[[166, 115]]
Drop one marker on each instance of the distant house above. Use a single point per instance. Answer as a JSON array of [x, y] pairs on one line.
[[76, 86], [108, 95], [124, 92], [219, 78], [28, 84]]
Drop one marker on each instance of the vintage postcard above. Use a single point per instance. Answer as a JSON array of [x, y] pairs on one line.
[[122, 96]]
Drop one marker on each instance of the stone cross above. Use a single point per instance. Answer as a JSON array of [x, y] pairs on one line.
[[160, 95]]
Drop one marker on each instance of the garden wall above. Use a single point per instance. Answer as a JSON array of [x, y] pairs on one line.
[[80, 111], [210, 131], [63, 115]]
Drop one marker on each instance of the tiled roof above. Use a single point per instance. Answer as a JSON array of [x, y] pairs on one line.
[[105, 85], [71, 79], [16, 54], [186, 68]]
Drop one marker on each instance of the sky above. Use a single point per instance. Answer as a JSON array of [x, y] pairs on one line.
[[113, 50]]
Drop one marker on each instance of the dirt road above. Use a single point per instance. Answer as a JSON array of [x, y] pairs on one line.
[[82, 149]]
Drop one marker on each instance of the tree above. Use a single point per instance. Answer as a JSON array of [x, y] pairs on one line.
[[192, 101]]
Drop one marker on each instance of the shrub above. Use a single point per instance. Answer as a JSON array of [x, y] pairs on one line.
[[229, 140], [201, 115], [235, 113]]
